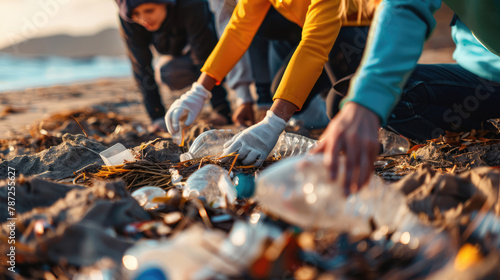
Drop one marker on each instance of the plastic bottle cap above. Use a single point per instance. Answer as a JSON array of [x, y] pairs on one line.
[[153, 273], [246, 186]]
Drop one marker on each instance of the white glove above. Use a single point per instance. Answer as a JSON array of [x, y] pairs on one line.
[[256, 142], [190, 105]]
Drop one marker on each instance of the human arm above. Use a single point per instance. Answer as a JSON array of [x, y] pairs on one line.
[[202, 37], [321, 25], [237, 36], [394, 45], [137, 41], [319, 33], [393, 48], [353, 132], [233, 44], [240, 77]]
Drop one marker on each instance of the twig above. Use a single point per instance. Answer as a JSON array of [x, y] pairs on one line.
[[84, 132]]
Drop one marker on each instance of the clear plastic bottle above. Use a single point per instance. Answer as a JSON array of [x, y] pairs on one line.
[[213, 184], [392, 143], [291, 144], [299, 190], [146, 194], [211, 143], [198, 253], [181, 257]]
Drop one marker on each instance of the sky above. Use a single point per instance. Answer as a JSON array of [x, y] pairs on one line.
[[24, 19]]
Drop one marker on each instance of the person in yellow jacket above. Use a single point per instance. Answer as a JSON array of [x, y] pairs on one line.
[[321, 21]]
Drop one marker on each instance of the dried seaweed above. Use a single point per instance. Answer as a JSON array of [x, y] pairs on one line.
[[146, 173], [452, 153]]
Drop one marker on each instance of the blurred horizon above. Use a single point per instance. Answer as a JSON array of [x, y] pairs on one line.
[[52, 42], [55, 42], [28, 19]]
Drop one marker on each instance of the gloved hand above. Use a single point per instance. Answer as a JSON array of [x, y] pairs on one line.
[[188, 105], [256, 142]]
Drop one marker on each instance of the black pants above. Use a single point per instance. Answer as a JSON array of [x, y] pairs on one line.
[[180, 72], [439, 98]]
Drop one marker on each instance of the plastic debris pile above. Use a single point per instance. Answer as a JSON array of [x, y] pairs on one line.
[[205, 219], [452, 153]]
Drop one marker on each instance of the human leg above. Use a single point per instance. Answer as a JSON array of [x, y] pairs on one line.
[[259, 56], [177, 72], [180, 72], [444, 97]]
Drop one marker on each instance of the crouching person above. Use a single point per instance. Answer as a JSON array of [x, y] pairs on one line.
[[183, 34]]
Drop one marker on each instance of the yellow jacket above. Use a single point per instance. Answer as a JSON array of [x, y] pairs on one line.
[[320, 21]]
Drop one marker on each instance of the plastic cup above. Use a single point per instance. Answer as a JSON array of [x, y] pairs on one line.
[[116, 155]]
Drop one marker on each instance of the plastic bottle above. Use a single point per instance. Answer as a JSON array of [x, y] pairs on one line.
[[199, 253], [211, 143], [146, 194], [299, 191], [244, 244], [392, 143], [291, 144], [181, 257], [213, 184]]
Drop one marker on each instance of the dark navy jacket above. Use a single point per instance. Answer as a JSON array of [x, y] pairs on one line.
[[188, 23]]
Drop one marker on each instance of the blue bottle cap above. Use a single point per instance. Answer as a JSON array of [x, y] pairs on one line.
[[246, 186], [153, 273]]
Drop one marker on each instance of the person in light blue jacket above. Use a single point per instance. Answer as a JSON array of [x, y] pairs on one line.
[[419, 101]]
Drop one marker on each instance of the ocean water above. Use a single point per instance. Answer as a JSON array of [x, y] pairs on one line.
[[18, 73]]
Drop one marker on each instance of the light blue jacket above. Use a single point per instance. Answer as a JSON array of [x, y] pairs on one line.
[[396, 40]]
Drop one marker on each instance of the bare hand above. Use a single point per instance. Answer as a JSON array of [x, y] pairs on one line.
[[244, 115], [352, 132]]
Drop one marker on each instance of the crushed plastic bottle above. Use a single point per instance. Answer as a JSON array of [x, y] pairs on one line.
[[392, 143], [211, 143], [116, 155], [199, 253], [291, 144], [299, 191], [242, 247], [181, 257], [213, 184], [146, 194]]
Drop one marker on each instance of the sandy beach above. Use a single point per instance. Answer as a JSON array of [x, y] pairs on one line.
[[32, 105], [431, 210]]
